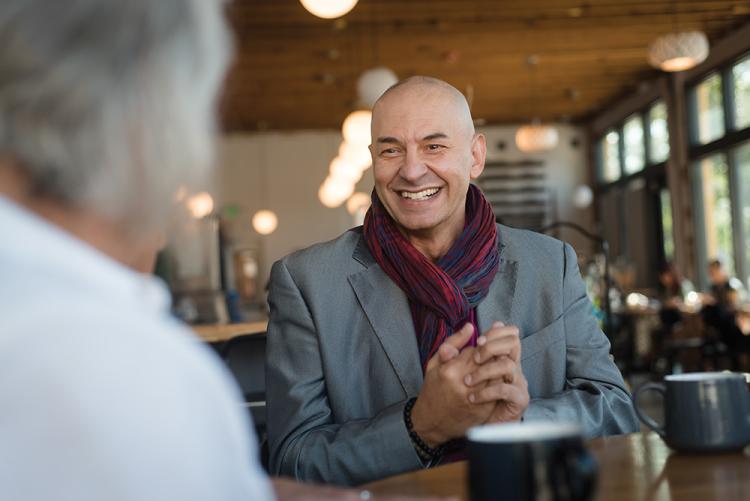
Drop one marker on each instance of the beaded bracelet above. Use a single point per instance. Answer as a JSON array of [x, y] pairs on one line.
[[424, 451]]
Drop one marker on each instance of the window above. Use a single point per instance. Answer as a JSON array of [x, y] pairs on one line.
[[632, 184], [635, 149], [741, 83], [713, 187], [708, 110], [610, 170], [658, 147]]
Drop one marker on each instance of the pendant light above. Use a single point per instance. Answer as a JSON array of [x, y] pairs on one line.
[[264, 221], [679, 50], [328, 9], [536, 137]]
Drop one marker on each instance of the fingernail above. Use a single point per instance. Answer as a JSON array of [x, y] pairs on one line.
[[481, 340], [477, 357], [467, 380], [498, 324], [472, 398]]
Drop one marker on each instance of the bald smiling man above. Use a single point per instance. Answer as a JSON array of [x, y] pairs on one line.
[[386, 344]]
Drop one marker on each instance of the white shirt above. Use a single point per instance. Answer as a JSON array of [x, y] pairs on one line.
[[103, 396]]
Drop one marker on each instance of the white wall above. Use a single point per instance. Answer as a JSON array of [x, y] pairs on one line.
[[567, 167], [283, 171]]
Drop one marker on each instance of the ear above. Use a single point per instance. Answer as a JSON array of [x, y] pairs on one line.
[[478, 155]]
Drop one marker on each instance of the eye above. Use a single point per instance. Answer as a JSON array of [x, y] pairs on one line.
[[435, 147], [389, 151]]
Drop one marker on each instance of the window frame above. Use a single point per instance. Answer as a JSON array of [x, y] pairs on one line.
[[653, 174], [728, 144]]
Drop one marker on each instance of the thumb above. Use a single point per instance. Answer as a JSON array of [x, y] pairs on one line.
[[452, 346], [460, 338]]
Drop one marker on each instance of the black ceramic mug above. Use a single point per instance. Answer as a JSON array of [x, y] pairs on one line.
[[703, 411], [529, 461]]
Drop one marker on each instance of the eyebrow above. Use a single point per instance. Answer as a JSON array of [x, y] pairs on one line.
[[387, 140], [429, 137]]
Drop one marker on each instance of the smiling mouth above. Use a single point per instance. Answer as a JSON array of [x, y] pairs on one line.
[[420, 195]]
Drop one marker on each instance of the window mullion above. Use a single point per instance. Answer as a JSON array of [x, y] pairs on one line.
[[738, 230]]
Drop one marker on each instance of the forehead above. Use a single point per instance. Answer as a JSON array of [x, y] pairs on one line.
[[417, 111]]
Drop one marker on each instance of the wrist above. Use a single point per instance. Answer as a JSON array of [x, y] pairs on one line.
[[431, 436], [428, 452]]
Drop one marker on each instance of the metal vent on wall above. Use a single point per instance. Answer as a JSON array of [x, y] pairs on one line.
[[518, 192]]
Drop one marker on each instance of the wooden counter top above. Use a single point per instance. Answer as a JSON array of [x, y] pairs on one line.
[[225, 332], [631, 467]]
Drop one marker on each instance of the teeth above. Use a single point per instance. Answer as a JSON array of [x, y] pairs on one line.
[[420, 195]]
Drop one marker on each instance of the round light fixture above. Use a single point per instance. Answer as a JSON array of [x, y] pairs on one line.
[[200, 205], [536, 138], [356, 154], [344, 170], [372, 83], [582, 196], [333, 192], [265, 222], [357, 202], [328, 9], [678, 51], [356, 128]]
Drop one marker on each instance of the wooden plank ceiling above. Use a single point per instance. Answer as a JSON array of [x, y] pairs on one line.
[[296, 71]]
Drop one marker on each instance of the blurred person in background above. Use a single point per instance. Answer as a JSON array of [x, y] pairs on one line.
[[719, 312], [672, 292], [106, 109], [673, 288]]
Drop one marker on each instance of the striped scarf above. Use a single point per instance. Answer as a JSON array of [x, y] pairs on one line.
[[442, 295]]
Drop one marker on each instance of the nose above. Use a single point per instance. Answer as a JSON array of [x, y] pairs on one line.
[[413, 167]]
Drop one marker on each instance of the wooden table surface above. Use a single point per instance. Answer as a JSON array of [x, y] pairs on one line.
[[224, 332], [631, 467]]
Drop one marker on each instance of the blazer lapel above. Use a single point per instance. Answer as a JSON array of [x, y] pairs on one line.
[[387, 310], [499, 303]]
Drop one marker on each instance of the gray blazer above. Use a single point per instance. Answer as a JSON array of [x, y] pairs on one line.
[[342, 357]]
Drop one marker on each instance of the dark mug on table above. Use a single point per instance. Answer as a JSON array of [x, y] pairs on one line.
[[703, 411], [527, 461]]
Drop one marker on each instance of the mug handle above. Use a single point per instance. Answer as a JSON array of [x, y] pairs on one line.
[[648, 420]]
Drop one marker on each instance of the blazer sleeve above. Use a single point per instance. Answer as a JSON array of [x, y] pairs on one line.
[[305, 441], [594, 395]]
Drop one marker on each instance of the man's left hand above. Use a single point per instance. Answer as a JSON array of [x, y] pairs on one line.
[[499, 377]]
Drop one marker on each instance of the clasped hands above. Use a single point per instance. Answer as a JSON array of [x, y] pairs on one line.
[[465, 386]]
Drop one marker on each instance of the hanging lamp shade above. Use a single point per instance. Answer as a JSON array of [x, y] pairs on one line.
[[200, 205], [328, 9], [372, 83], [340, 168], [356, 127], [535, 138], [582, 196], [334, 192], [356, 154], [678, 51], [265, 222]]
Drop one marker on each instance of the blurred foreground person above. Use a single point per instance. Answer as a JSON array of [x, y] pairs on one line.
[[106, 109]]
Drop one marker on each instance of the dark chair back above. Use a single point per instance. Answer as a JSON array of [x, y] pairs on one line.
[[246, 358]]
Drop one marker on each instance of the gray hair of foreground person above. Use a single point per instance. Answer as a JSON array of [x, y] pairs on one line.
[[98, 119]]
